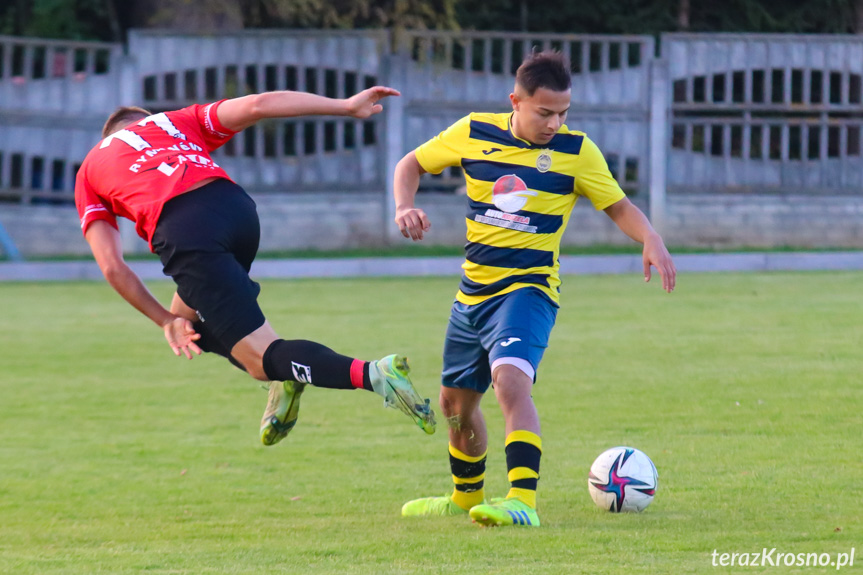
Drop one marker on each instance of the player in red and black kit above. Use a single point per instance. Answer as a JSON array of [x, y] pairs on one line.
[[156, 170]]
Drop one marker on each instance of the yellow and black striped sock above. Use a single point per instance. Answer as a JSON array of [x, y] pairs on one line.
[[523, 451], [468, 473]]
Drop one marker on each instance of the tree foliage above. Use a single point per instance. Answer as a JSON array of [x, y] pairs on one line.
[[69, 19], [656, 16], [573, 16], [432, 14], [790, 16], [107, 19]]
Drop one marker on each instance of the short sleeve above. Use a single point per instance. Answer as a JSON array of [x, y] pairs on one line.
[[594, 180], [91, 207], [214, 134], [445, 149]]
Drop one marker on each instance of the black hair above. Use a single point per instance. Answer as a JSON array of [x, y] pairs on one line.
[[548, 69]]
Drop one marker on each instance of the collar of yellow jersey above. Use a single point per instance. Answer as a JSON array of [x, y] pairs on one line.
[[530, 144]]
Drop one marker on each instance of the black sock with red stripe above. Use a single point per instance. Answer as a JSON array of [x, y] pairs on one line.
[[310, 362]]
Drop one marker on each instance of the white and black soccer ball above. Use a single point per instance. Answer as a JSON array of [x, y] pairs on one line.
[[622, 479]]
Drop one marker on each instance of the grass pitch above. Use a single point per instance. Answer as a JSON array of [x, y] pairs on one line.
[[745, 389]]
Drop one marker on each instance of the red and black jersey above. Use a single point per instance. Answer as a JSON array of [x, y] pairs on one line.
[[133, 172]]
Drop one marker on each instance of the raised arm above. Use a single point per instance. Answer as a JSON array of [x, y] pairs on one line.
[[635, 224], [105, 243], [239, 113], [412, 221]]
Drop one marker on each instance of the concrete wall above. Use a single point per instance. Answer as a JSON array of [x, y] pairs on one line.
[[729, 221], [332, 221], [43, 230]]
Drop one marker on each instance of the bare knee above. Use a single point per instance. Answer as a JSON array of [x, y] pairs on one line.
[[448, 406], [509, 395], [250, 351], [253, 364], [252, 360], [456, 404], [511, 385], [256, 370], [460, 407]]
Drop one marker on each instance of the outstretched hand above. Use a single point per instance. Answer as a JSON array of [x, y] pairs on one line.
[[181, 337], [365, 103], [655, 254]]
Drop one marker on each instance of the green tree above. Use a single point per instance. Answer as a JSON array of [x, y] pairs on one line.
[[656, 16], [433, 14], [789, 16], [109, 19], [574, 16], [67, 19], [193, 16]]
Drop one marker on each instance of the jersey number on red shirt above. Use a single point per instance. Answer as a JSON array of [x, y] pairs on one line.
[[139, 144]]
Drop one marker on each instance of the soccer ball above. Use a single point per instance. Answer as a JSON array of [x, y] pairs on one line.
[[622, 479]]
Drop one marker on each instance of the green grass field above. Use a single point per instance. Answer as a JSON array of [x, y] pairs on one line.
[[745, 389]]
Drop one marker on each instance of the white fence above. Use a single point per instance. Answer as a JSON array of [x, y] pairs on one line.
[[53, 97], [765, 113], [449, 75], [714, 113], [307, 154]]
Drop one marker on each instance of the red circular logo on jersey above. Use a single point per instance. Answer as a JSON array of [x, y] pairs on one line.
[[509, 184], [510, 193]]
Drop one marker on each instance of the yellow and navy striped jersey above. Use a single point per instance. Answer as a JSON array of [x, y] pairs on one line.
[[520, 198]]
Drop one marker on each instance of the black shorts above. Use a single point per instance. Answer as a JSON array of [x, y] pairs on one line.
[[207, 240]]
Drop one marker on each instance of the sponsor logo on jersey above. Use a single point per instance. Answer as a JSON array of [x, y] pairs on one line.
[[509, 341], [504, 220], [510, 193]]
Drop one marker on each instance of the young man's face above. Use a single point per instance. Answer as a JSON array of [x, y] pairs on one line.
[[537, 118]]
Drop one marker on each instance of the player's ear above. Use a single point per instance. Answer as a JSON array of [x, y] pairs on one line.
[[514, 100]]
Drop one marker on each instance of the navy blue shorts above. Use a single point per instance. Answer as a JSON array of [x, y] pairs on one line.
[[513, 328], [207, 240]]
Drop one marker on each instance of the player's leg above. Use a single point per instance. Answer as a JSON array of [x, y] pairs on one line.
[[519, 332], [467, 454], [207, 342], [465, 378], [179, 307], [283, 402], [468, 445], [523, 449], [207, 240], [523, 446], [291, 364], [513, 388], [465, 421]]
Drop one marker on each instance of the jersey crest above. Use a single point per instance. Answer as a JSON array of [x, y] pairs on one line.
[[543, 161]]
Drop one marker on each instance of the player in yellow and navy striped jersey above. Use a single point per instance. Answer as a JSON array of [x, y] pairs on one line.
[[524, 172]]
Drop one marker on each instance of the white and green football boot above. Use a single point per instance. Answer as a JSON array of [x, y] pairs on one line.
[[390, 379], [510, 511], [283, 408]]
